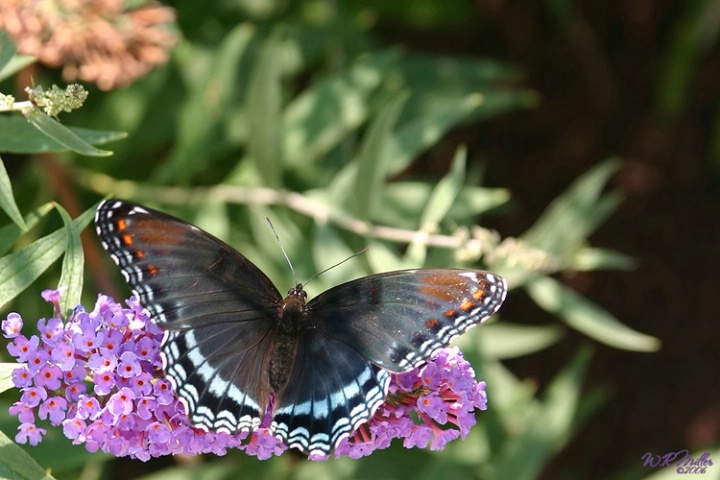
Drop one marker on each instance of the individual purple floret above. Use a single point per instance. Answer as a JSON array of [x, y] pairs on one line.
[[99, 377]]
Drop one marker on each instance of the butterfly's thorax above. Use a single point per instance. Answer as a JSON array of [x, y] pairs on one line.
[[286, 336]]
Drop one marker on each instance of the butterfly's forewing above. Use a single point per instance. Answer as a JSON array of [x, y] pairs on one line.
[[184, 276], [397, 320], [332, 390], [216, 306]]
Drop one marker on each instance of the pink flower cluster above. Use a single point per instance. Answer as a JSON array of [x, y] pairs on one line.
[[443, 394], [99, 377]]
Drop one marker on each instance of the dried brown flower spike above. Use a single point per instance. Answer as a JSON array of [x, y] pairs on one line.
[[101, 41]]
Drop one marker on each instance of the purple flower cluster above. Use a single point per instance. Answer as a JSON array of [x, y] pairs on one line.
[[443, 394], [99, 377]]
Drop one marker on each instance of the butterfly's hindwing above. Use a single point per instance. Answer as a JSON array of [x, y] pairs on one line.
[[331, 392], [219, 375], [397, 320]]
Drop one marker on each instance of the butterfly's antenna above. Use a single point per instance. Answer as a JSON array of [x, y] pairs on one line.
[[272, 227], [337, 264]]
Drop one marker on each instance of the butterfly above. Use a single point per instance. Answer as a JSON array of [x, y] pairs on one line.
[[232, 341]]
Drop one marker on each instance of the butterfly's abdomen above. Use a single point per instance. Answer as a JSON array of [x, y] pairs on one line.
[[286, 337], [282, 357]]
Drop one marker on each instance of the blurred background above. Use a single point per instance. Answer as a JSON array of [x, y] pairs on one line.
[[573, 147]]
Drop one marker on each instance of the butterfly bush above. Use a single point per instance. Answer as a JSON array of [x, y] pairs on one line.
[[98, 376]]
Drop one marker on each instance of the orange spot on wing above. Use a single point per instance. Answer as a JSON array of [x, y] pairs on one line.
[[479, 293], [153, 270], [127, 239], [450, 313], [466, 305], [121, 224], [140, 254], [432, 323]]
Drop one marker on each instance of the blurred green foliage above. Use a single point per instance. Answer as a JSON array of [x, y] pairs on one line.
[[293, 110]]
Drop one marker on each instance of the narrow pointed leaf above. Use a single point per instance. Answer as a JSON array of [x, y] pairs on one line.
[[6, 370], [373, 161], [10, 233], [19, 136], [441, 199], [63, 135], [415, 136], [445, 192], [587, 317], [16, 464], [263, 109], [590, 258], [503, 340], [16, 63], [322, 116], [567, 222], [7, 199], [71, 276], [7, 49], [547, 427], [18, 270], [214, 85]]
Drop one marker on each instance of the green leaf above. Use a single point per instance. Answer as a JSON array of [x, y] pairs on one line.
[[587, 317], [17, 63], [263, 109], [383, 257], [373, 159], [441, 199], [7, 199], [445, 193], [63, 135], [328, 249], [695, 33], [424, 131], [318, 119], [567, 222], [7, 49], [214, 86], [404, 202], [18, 270], [6, 370], [600, 258], [473, 201], [503, 340], [219, 469], [16, 464], [547, 425], [10, 233], [10, 61], [71, 276], [426, 127], [19, 136]]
